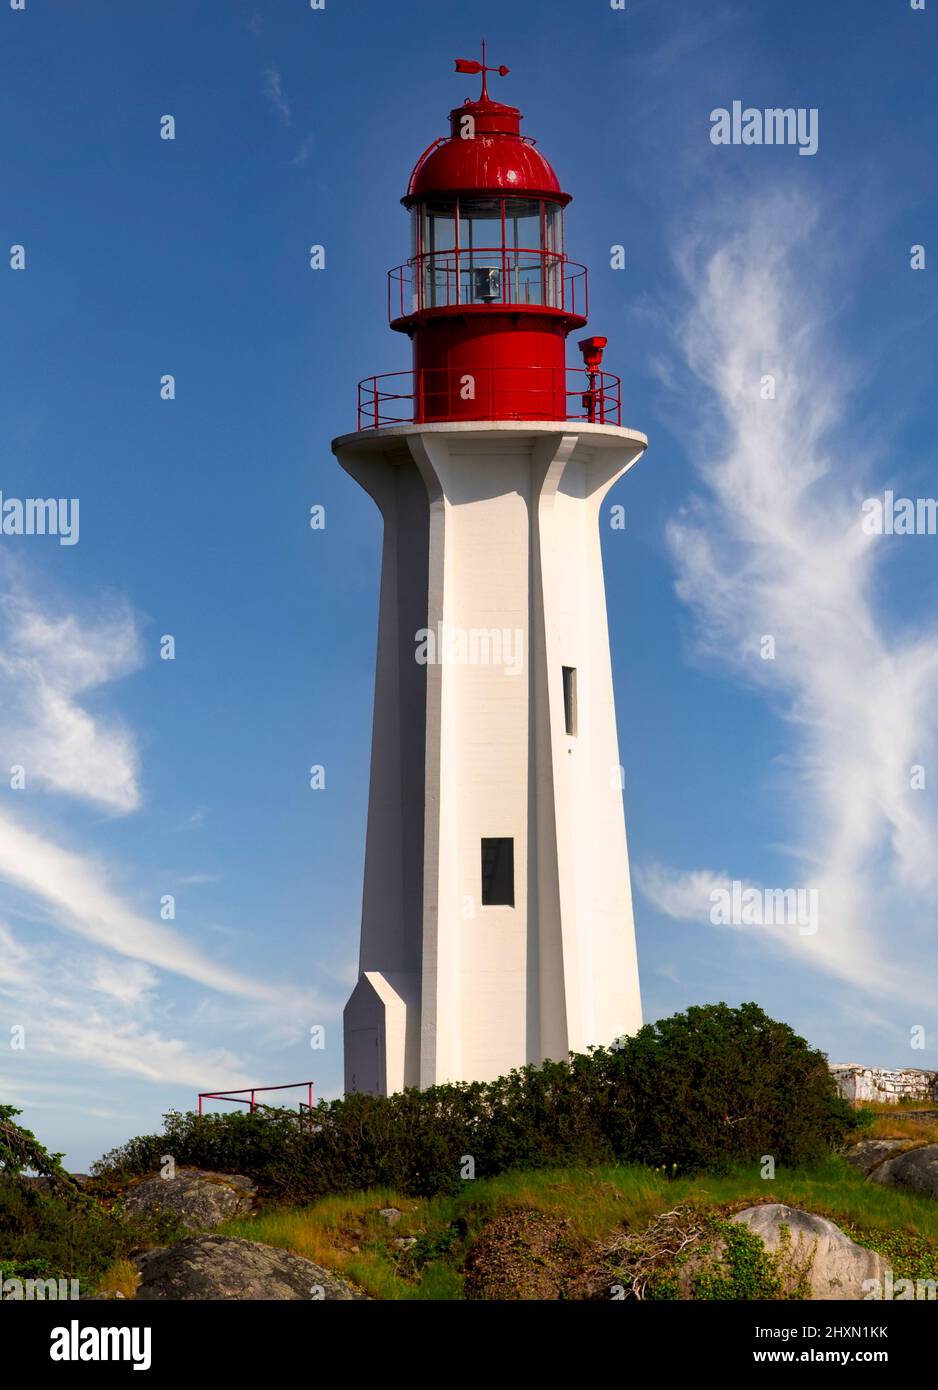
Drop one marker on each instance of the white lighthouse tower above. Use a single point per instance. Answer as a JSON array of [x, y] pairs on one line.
[[497, 921]]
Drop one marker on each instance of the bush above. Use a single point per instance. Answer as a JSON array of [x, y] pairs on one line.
[[59, 1232], [715, 1087], [56, 1237], [705, 1090], [20, 1150]]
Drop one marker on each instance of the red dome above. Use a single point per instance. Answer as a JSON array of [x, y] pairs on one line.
[[497, 159]]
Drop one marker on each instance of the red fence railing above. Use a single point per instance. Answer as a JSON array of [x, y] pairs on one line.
[[245, 1095]]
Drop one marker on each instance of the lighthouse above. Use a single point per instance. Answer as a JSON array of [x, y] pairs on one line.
[[497, 924]]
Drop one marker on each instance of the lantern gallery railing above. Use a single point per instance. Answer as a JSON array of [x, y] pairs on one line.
[[489, 275], [489, 393]]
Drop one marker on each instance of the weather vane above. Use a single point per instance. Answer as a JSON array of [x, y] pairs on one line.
[[471, 65]]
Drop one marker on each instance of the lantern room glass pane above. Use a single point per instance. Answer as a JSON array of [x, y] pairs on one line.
[[489, 251], [481, 277], [440, 227], [553, 227], [523, 223], [437, 233], [524, 242], [553, 257]]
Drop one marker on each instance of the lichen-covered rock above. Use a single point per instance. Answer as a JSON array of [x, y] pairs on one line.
[[870, 1153], [213, 1268], [202, 1200], [916, 1170], [838, 1266]]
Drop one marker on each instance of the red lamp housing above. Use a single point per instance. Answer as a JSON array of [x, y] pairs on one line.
[[488, 295]]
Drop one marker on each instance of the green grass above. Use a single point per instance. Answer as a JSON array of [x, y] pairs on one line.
[[883, 1125], [597, 1202]]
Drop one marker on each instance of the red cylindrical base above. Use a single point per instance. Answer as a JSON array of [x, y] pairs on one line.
[[490, 366]]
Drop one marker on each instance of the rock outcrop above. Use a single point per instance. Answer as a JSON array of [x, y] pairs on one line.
[[916, 1170], [859, 1084], [838, 1266], [870, 1153], [211, 1268], [202, 1200], [691, 1253]]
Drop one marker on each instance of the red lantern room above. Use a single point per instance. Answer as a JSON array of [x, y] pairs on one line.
[[488, 295]]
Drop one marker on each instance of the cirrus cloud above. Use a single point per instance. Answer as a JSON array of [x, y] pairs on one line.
[[773, 546]]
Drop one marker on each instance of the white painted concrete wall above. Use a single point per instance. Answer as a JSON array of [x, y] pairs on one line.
[[491, 528]]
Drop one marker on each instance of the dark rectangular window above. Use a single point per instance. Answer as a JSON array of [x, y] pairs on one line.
[[498, 873], [569, 698]]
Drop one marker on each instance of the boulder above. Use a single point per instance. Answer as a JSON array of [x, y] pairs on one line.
[[870, 1153], [390, 1214], [839, 1266], [212, 1268], [202, 1200], [916, 1170], [52, 1186]]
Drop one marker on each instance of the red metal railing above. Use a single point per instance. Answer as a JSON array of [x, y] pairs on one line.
[[236, 1096], [491, 275], [498, 393]]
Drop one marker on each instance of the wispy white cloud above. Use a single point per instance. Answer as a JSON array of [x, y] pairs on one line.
[[774, 548], [131, 983], [75, 890], [305, 151], [14, 959], [696, 895], [683, 896], [101, 1005], [47, 662], [91, 1020], [685, 42], [273, 91]]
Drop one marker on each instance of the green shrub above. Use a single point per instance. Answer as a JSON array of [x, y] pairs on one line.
[[908, 1254], [21, 1151], [744, 1269], [702, 1091], [53, 1237], [715, 1087], [60, 1232]]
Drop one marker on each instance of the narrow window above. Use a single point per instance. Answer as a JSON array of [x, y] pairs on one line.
[[569, 699], [498, 873]]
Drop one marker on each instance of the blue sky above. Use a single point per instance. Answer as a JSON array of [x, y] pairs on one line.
[[189, 777]]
